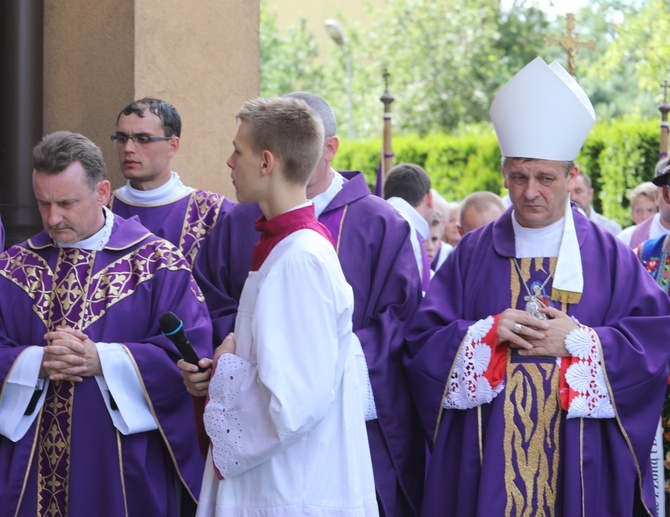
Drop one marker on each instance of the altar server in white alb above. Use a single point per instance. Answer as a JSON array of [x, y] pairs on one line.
[[285, 415]]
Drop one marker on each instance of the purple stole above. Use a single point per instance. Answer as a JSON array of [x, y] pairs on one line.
[[641, 233], [67, 309]]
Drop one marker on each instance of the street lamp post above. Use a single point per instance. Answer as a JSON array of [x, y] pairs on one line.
[[337, 35]]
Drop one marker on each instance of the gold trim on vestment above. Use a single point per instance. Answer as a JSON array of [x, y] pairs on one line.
[[339, 232], [119, 449], [581, 463], [55, 446], [30, 462], [531, 475], [531, 388], [565, 297], [515, 282], [480, 435], [198, 230]]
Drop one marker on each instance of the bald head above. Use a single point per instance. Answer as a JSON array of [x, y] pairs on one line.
[[478, 209]]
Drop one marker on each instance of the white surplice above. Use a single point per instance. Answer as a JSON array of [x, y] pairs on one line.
[[285, 415]]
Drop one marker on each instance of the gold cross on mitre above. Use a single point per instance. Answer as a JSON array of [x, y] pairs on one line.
[[570, 43]]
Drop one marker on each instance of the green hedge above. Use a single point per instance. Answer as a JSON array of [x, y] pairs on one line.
[[617, 156]]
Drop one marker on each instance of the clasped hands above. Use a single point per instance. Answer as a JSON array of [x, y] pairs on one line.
[[69, 355], [196, 381], [533, 336]]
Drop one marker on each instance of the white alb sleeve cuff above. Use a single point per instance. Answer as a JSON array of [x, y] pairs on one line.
[[122, 390], [23, 382]]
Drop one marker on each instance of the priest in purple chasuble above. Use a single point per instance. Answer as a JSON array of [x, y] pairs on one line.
[[538, 358], [373, 245], [147, 138], [94, 416]]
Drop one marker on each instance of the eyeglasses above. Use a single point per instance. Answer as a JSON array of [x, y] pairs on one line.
[[122, 138]]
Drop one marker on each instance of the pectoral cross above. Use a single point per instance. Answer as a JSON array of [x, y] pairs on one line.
[[570, 43]]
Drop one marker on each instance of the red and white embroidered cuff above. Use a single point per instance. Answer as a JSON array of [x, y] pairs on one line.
[[472, 383]]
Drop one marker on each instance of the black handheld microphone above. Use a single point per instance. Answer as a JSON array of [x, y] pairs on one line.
[[173, 328]]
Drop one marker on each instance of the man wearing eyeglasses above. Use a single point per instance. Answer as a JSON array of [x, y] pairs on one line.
[[147, 138]]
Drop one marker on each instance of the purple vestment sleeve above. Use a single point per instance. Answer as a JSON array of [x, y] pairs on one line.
[[128, 286], [378, 262], [223, 264], [603, 462]]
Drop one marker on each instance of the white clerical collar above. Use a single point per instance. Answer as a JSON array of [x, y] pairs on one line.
[[556, 240], [169, 192], [98, 240], [537, 242], [321, 201], [411, 215]]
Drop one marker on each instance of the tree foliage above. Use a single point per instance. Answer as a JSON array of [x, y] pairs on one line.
[[448, 59], [640, 44], [288, 63]]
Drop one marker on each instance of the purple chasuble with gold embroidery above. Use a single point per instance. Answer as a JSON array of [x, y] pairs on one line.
[[519, 454], [73, 461], [184, 222], [372, 242]]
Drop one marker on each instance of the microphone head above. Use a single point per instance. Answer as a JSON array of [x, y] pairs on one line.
[[169, 323]]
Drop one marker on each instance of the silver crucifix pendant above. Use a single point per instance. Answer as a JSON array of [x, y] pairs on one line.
[[533, 305]]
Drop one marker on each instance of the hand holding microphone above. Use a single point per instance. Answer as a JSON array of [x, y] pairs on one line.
[[195, 372]]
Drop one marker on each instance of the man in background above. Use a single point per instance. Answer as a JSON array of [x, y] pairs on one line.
[[582, 194], [655, 226], [479, 209], [147, 138], [407, 189]]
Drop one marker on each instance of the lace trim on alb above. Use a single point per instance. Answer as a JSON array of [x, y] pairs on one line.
[[585, 376], [221, 423], [468, 388]]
